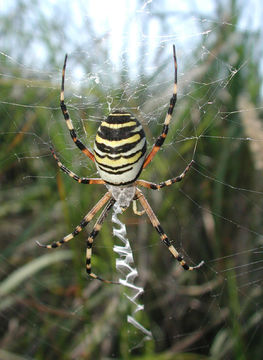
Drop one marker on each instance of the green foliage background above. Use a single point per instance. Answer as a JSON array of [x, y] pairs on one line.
[[49, 310]]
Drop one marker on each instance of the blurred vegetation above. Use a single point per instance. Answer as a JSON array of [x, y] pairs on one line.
[[49, 310]]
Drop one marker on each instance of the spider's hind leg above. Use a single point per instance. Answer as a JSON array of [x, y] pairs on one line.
[[67, 118], [169, 182], [160, 140], [81, 180]]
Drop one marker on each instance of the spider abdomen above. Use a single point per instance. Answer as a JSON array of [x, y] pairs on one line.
[[120, 149]]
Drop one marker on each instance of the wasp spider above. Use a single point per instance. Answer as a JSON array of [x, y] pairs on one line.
[[120, 156]]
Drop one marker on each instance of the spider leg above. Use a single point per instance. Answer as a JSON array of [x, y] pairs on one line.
[[65, 112], [81, 226], [160, 140], [135, 210], [91, 238], [81, 180], [169, 182], [156, 224]]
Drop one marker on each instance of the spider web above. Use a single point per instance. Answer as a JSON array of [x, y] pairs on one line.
[[213, 215]]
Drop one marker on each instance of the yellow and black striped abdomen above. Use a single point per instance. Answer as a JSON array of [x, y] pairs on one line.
[[120, 148]]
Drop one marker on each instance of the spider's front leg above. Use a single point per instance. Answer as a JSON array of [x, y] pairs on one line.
[[156, 224], [90, 241], [81, 226]]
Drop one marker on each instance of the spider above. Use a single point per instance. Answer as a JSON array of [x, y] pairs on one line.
[[120, 156]]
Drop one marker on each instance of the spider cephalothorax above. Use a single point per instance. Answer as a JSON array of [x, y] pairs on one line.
[[120, 156], [122, 194]]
